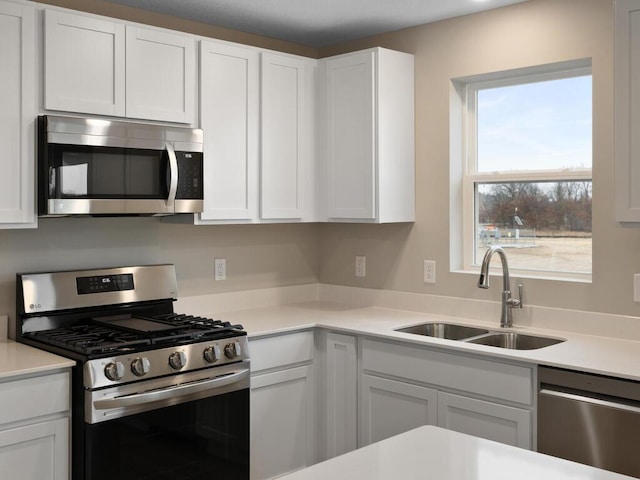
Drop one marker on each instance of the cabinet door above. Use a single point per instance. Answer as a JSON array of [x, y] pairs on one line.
[[84, 64], [341, 394], [36, 452], [627, 110], [161, 75], [17, 115], [229, 89], [388, 407], [283, 139], [282, 422], [485, 419], [350, 132]]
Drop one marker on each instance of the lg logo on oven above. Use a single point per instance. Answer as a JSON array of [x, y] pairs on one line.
[[34, 306]]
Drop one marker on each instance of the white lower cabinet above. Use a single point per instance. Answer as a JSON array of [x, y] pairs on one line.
[[389, 407], [493, 421], [34, 427], [404, 387], [339, 377], [36, 452], [283, 406], [319, 394]]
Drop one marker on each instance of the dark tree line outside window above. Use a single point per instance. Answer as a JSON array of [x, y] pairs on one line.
[[554, 207]]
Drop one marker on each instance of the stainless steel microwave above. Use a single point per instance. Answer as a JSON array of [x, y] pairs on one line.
[[90, 166]]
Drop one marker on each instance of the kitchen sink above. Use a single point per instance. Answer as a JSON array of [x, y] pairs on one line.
[[481, 336], [447, 331], [515, 341]]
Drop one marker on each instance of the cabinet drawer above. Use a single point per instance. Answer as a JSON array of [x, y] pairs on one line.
[[33, 397], [512, 383], [281, 350]]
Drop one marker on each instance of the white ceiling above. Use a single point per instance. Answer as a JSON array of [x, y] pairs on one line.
[[316, 23]]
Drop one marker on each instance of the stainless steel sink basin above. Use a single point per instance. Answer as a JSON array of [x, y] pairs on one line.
[[447, 331], [515, 341]]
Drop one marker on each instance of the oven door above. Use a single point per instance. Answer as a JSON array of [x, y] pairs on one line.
[[189, 427]]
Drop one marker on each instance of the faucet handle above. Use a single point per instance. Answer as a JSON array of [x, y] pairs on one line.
[[518, 303]]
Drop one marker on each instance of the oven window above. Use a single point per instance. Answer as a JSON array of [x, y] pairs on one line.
[[198, 440], [107, 172]]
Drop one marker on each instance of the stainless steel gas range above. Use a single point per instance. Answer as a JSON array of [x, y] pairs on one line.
[[155, 394]]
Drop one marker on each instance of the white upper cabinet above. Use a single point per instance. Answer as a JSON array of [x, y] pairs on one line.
[[350, 136], [257, 111], [17, 115], [98, 66], [283, 149], [161, 69], [84, 64], [229, 109], [627, 110], [369, 136]]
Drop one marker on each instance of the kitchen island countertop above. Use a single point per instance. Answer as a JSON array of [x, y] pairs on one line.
[[434, 453]]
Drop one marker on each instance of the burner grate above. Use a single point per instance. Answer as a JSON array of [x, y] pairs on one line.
[[95, 338], [90, 339], [194, 328]]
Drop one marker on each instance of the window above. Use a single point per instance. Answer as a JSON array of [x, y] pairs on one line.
[[526, 174]]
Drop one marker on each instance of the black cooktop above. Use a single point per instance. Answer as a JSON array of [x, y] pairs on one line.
[[130, 333]]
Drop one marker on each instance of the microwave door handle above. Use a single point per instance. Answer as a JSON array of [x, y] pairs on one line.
[[173, 172]]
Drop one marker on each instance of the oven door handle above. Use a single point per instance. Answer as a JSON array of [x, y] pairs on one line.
[[173, 175], [173, 392]]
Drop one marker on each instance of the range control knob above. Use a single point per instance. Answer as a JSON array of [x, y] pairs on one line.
[[212, 354], [232, 350], [114, 371], [140, 366], [177, 360]]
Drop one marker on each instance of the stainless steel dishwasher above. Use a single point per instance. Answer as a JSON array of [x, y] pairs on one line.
[[590, 419]]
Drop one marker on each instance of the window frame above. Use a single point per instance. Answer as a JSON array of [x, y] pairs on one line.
[[467, 88]]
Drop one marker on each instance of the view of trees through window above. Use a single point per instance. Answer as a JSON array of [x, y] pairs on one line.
[[547, 223]]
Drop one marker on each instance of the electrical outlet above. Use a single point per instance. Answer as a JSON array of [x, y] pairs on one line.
[[429, 271], [636, 287], [221, 268], [361, 266]]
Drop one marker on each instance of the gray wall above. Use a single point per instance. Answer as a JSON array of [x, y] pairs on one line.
[[258, 256]]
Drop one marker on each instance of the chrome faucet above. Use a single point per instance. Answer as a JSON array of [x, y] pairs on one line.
[[508, 302]]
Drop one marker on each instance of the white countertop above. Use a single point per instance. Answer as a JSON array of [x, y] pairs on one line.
[[18, 359], [589, 353], [438, 454]]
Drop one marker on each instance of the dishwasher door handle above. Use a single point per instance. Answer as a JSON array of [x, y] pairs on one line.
[[591, 400]]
